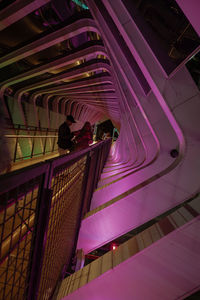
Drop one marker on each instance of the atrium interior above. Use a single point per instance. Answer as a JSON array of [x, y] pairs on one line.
[[119, 219]]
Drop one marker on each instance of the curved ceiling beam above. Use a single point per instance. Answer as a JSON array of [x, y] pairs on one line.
[[100, 106], [88, 93], [89, 82], [65, 105], [99, 102], [109, 105], [103, 96], [46, 107], [87, 53], [17, 10], [98, 66], [49, 40], [56, 103], [97, 90], [62, 90], [78, 107]]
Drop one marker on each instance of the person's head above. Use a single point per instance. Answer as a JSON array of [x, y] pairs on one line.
[[87, 126], [70, 120]]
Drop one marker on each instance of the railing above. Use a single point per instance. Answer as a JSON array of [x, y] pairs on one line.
[[40, 212], [28, 142], [142, 237]]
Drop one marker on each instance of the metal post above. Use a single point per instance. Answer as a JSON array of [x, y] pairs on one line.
[[15, 153], [45, 142], [54, 141], [42, 227], [33, 143]]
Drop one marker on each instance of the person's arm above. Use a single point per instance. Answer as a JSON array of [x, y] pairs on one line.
[[76, 133], [67, 134]]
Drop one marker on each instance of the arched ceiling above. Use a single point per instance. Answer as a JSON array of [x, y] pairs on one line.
[[52, 51]]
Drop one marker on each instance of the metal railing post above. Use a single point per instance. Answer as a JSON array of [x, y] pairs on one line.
[[33, 143], [40, 239], [16, 143], [45, 142], [54, 141]]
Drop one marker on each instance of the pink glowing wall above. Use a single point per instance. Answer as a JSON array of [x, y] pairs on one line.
[[191, 9], [169, 269], [142, 180]]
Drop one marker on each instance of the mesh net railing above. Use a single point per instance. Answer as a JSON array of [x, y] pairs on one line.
[[18, 221], [40, 213], [67, 185]]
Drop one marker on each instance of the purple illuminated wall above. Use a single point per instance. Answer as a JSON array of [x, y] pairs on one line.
[[123, 80], [142, 179]]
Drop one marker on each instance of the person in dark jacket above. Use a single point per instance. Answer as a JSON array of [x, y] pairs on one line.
[[65, 136]]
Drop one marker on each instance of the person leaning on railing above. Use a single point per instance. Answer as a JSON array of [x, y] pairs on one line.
[[84, 137], [65, 143], [5, 157]]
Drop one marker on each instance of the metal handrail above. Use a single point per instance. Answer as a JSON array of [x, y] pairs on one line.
[[46, 142], [29, 128], [28, 136]]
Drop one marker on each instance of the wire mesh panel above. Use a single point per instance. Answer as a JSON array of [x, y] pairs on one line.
[[40, 212], [67, 186], [18, 220]]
